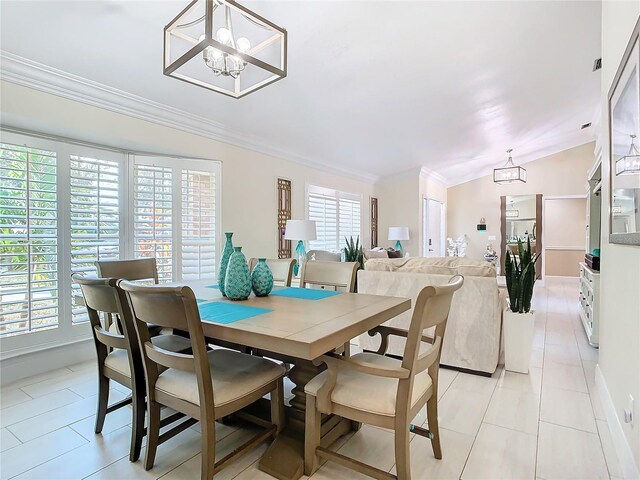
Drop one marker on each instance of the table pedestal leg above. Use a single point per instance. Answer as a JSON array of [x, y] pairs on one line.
[[284, 458]]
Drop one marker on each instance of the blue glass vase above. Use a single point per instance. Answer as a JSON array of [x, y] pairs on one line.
[[224, 262], [237, 281], [261, 279], [301, 256]]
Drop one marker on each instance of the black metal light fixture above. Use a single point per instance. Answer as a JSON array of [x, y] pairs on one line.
[[510, 173]]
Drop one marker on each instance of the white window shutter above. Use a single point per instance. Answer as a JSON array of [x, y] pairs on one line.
[[28, 239], [337, 215], [95, 218]]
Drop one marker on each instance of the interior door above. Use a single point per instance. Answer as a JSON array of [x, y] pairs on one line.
[[433, 228]]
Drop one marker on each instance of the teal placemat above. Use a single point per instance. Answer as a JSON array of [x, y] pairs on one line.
[[213, 286], [304, 293], [223, 312]]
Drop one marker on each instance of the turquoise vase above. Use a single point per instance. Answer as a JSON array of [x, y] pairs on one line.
[[262, 278], [224, 262], [301, 256], [237, 281]]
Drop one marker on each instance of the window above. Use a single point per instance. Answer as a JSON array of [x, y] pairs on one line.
[[337, 215], [64, 206], [28, 240]]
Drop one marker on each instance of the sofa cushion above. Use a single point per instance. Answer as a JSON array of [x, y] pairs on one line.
[[436, 265], [368, 254]]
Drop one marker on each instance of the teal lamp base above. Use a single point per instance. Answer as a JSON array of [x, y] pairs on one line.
[[398, 245], [301, 255]]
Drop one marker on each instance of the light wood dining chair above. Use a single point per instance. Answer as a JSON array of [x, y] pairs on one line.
[[281, 268], [379, 390], [119, 357], [205, 385], [138, 269], [338, 275]]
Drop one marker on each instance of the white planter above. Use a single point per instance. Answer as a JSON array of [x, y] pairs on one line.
[[518, 340]]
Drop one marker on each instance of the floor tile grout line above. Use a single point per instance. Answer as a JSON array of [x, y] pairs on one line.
[[544, 351]]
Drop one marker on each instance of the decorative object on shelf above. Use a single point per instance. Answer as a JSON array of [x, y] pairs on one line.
[[490, 255], [224, 261], [629, 164], [520, 275], [458, 247], [510, 173], [301, 230], [261, 278], [203, 45], [398, 234], [237, 280], [624, 123], [284, 214], [374, 222]]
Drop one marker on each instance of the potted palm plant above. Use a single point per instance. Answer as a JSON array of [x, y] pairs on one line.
[[520, 273]]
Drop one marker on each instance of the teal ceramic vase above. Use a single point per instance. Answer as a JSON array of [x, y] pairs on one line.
[[224, 262], [237, 280], [262, 279]]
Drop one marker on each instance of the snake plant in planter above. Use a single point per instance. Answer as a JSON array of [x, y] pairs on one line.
[[353, 253], [520, 273]]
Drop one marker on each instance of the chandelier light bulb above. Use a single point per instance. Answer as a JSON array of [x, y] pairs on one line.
[[243, 44], [223, 35]]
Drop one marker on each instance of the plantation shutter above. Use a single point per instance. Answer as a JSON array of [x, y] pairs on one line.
[[337, 215], [349, 220], [153, 216], [28, 239], [324, 210], [95, 218], [198, 246]]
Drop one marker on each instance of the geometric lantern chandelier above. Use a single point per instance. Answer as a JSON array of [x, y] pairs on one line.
[[510, 173], [630, 163], [225, 47]]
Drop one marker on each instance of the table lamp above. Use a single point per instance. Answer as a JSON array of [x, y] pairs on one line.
[[300, 230], [398, 233]]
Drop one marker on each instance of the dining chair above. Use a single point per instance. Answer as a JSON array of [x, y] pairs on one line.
[[281, 268], [118, 354], [204, 385], [386, 392], [338, 275], [138, 269]]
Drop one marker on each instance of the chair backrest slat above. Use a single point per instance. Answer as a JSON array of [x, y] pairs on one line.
[[138, 269], [330, 274], [169, 359], [109, 339], [281, 268]]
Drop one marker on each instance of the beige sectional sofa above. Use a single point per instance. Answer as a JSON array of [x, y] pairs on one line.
[[472, 339]]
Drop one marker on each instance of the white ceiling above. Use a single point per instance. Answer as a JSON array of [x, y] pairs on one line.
[[375, 87]]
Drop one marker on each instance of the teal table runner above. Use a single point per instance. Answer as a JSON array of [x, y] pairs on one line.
[[304, 293], [224, 313], [213, 286]]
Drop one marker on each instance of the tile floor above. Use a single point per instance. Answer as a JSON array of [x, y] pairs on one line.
[[546, 425]]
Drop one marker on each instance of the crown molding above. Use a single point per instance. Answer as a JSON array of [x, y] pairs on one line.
[[433, 175], [25, 72]]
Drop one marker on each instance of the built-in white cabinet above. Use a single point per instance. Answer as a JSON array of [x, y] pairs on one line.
[[589, 302]]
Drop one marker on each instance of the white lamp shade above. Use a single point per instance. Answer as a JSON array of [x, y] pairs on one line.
[[300, 230], [398, 233]]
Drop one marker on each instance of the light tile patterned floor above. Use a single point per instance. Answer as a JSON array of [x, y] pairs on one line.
[[547, 425]]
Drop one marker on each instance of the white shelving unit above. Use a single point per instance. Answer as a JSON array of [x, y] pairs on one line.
[[589, 301]]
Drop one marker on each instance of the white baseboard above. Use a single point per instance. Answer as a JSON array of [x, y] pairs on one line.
[[620, 444], [41, 361]]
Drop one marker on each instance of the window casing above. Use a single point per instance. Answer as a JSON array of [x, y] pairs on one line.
[[63, 206], [338, 215]]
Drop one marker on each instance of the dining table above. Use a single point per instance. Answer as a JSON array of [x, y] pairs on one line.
[[296, 326]]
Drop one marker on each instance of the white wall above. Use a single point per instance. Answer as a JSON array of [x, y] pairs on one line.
[[619, 359], [564, 173], [248, 177]]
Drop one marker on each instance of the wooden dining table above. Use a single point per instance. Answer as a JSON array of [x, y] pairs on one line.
[[298, 331]]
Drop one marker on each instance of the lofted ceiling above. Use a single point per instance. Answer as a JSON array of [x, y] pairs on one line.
[[373, 87]]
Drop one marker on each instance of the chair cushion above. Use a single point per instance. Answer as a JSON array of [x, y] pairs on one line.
[[369, 393], [118, 359], [234, 375]]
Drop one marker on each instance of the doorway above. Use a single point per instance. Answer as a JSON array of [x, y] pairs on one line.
[[433, 233], [564, 231]]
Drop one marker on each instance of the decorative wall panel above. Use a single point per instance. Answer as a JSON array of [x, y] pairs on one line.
[[284, 213], [374, 222]]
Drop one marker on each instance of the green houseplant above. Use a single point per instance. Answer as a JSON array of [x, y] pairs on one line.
[[519, 320], [353, 251]]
